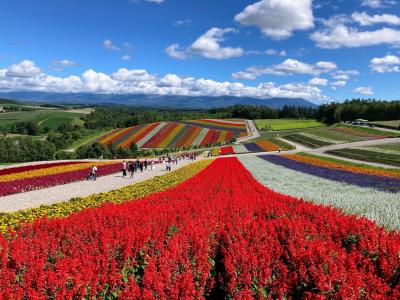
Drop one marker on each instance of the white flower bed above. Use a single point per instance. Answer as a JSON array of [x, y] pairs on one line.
[[240, 149], [381, 207]]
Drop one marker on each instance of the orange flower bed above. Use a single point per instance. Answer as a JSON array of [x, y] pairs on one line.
[[333, 165], [267, 146]]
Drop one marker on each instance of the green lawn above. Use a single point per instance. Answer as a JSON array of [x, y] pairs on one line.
[[88, 138], [286, 124], [49, 118]]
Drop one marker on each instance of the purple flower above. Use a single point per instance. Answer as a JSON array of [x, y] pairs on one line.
[[363, 180], [253, 147]]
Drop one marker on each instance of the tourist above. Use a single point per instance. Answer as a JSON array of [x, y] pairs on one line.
[[152, 165], [123, 169], [145, 164], [141, 165], [131, 168], [92, 174]]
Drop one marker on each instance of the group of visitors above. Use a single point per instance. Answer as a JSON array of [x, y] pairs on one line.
[[133, 167], [136, 166]]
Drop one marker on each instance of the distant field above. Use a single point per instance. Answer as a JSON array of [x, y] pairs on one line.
[[319, 137], [44, 118], [395, 124], [285, 124]]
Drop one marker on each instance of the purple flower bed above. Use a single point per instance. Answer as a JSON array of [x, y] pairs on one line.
[[363, 180], [253, 147]]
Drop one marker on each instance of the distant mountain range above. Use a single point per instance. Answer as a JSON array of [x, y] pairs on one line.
[[152, 101]]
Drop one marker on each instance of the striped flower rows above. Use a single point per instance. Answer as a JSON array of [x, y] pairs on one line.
[[167, 135], [379, 206], [363, 180], [257, 146], [334, 165], [43, 177]]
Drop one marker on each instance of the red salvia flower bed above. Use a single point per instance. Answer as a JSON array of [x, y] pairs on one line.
[[227, 150], [218, 235], [21, 169], [40, 182]]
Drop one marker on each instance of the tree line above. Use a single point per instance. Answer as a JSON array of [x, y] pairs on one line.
[[369, 109]]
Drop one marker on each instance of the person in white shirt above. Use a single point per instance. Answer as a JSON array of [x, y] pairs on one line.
[[94, 173]]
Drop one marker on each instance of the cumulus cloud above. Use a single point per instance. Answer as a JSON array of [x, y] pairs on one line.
[[207, 45], [273, 52], [24, 69], [343, 36], [318, 81], [288, 67], [378, 3], [175, 51], [340, 83], [364, 90], [365, 19], [278, 18], [387, 64], [108, 44], [125, 81]]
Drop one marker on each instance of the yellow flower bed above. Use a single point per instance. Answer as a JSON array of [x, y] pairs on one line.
[[215, 151], [135, 191], [53, 170]]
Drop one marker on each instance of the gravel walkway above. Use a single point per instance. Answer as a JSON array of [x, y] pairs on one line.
[[66, 192]]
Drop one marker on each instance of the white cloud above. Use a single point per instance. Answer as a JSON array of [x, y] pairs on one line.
[[288, 67], [377, 3], [125, 81], [343, 36], [364, 90], [155, 1], [108, 44], [278, 18], [182, 22], [65, 63], [126, 57], [387, 64], [208, 45], [365, 19], [125, 75], [340, 83], [175, 52], [24, 69], [273, 52], [318, 81]]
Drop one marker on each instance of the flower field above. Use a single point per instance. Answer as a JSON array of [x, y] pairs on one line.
[[262, 145], [384, 154], [176, 134], [253, 243], [227, 150], [134, 191], [315, 138], [381, 206], [22, 179]]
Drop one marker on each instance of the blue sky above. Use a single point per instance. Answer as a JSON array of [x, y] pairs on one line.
[[320, 50]]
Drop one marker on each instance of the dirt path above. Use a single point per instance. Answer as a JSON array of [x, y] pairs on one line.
[[65, 192]]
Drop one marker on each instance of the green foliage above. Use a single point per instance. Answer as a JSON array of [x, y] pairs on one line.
[[351, 110], [25, 128], [307, 141], [25, 149]]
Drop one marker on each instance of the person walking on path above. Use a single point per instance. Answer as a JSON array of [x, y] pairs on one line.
[[131, 168], [168, 166], [123, 169], [93, 173], [152, 165], [145, 164]]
